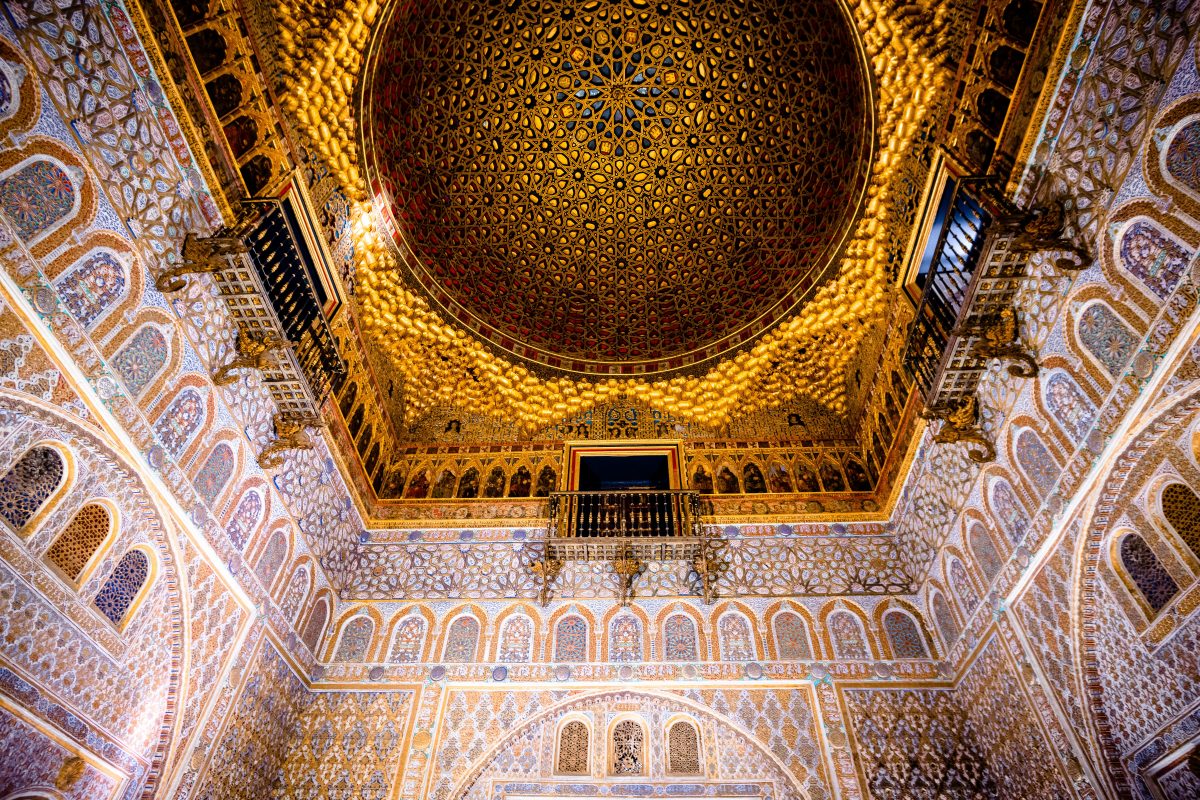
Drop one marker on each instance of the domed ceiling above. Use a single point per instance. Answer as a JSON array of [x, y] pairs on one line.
[[605, 186]]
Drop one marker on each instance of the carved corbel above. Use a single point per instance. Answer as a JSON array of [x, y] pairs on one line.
[[1000, 338], [960, 423], [290, 434], [200, 255], [69, 773], [254, 349], [707, 565], [627, 569], [546, 569], [1041, 231]]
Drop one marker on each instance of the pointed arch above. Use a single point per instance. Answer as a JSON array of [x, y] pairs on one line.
[[1008, 511], [1035, 461], [572, 639], [516, 636], [273, 556], [986, 556], [681, 640], [904, 634], [847, 631], [356, 636], [626, 639], [1104, 335], [298, 587], [1180, 507]]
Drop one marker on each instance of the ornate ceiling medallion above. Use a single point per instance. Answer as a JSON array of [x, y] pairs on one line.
[[618, 186]]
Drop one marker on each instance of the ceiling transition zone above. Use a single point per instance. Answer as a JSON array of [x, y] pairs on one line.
[[590, 183]]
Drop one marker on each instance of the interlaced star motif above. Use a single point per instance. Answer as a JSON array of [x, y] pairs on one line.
[[611, 186]]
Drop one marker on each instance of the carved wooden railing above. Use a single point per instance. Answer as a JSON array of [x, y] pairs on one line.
[[262, 269], [629, 529], [965, 317]]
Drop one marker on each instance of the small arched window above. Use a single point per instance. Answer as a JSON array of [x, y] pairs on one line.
[[272, 558], [80, 540], [984, 550], [737, 642], [947, 624], [791, 637], [462, 640], [628, 743], [904, 636], [573, 749], [316, 625], [571, 639], [846, 632], [1147, 572], [356, 639], [516, 640], [122, 588], [1181, 507], [28, 484], [409, 640], [679, 639], [683, 749]]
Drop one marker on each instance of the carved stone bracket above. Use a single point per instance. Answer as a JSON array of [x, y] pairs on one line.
[[999, 337], [290, 434], [200, 255], [627, 569], [708, 565], [960, 423], [546, 569], [1041, 231], [254, 349]]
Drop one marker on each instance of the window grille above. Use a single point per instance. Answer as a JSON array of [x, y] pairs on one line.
[[627, 740], [122, 587], [27, 486], [683, 746], [1181, 507], [82, 537], [573, 749]]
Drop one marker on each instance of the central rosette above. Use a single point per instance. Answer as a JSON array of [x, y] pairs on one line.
[[615, 186]]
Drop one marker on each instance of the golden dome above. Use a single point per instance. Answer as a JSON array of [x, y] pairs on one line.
[[616, 186]]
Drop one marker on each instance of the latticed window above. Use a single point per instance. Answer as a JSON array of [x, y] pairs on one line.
[[82, 537], [683, 749], [627, 740], [573, 749], [1181, 507], [122, 587], [28, 485], [1147, 572]]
